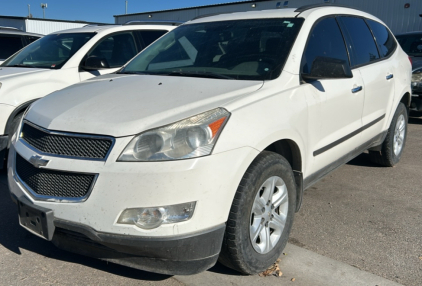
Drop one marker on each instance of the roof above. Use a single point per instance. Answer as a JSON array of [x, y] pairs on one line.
[[50, 20], [193, 7], [11, 31], [97, 28], [270, 13]]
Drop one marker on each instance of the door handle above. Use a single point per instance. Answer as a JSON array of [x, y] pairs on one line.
[[390, 76], [356, 89]]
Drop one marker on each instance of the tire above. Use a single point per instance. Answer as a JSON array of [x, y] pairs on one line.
[[392, 149], [239, 252], [15, 126]]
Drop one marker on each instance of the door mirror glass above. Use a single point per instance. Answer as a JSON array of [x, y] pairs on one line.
[[328, 68], [96, 63]]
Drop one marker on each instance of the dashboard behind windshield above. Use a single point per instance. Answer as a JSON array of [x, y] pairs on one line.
[[51, 51], [253, 49]]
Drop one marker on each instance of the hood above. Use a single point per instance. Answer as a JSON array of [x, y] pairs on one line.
[[6, 72], [122, 105]]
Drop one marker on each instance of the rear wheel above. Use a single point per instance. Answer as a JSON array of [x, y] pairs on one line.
[[261, 215], [393, 145]]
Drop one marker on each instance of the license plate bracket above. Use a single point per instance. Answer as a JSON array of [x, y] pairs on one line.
[[36, 219]]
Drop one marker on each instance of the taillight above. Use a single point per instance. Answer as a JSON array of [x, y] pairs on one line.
[[410, 59]]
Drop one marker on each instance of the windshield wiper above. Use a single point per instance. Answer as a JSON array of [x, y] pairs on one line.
[[21, 66], [198, 74], [133, 72]]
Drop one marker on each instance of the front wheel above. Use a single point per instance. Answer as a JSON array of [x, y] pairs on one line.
[[261, 215], [393, 145]]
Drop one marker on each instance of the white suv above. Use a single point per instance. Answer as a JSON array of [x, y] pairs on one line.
[[65, 58], [201, 146], [12, 40]]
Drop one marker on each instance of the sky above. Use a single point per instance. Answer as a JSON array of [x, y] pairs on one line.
[[93, 10]]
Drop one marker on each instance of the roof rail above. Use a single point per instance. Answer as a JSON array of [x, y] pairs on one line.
[[312, 6], [209, 15], [96, 25], [9, 28], [156, 22]]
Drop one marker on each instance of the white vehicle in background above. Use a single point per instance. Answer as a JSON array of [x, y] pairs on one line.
[[13, 39], [64, 58], [201, 146]]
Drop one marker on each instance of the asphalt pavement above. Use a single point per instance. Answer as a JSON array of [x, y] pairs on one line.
[[361, 225]]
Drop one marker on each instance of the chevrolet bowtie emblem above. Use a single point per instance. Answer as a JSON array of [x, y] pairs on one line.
[[38, 161]]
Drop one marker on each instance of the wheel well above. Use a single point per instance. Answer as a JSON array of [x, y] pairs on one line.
[[406, 100], [21, 108], [289, 150]]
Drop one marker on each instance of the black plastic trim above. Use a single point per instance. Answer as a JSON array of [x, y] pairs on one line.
[[15, 112], [318, 175], [175, 255], [341, 140], [322, 5]]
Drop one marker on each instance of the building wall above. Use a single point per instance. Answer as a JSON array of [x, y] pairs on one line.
[[392, 12], [47, 27]]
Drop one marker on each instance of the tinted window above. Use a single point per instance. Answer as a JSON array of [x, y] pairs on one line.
[[385, 41], [150, 36], [411, 44], [9, 45], [116, 49], [32, 39], [325, 40], [51, 51], [360, 41], [253, 49]]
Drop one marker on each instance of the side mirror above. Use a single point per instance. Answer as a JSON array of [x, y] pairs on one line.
[[95, 63], [328, 68]]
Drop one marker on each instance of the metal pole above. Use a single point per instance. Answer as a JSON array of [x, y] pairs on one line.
[[29, 11], [126, 8], [43, 12]]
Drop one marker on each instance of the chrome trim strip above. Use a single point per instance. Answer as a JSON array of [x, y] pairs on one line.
[[38, 197], [68, 134]]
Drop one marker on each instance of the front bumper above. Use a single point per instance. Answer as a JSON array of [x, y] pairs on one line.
[[176, 255], [90, 227]]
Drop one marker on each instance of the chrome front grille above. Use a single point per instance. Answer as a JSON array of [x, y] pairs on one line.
[[66, 144]]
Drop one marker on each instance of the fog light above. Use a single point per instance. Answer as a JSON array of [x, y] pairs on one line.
[[149, 218]]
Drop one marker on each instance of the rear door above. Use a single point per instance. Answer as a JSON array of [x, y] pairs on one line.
[[376, 69], [335, 105]]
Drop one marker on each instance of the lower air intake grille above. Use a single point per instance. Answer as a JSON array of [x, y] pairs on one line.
[[51, 183]]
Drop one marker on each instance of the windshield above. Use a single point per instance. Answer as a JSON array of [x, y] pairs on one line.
[[253, 49], [411, 44], [51, 52]]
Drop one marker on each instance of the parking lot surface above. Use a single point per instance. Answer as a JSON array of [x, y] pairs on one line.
[[360, 217]]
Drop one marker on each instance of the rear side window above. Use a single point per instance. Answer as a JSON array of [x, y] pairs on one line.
[[385, 41], [150, 36], [360, 41], [9, 45], [325, 40]]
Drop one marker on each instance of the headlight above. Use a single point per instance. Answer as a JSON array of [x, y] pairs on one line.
[[149, 218], [189, 138]]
